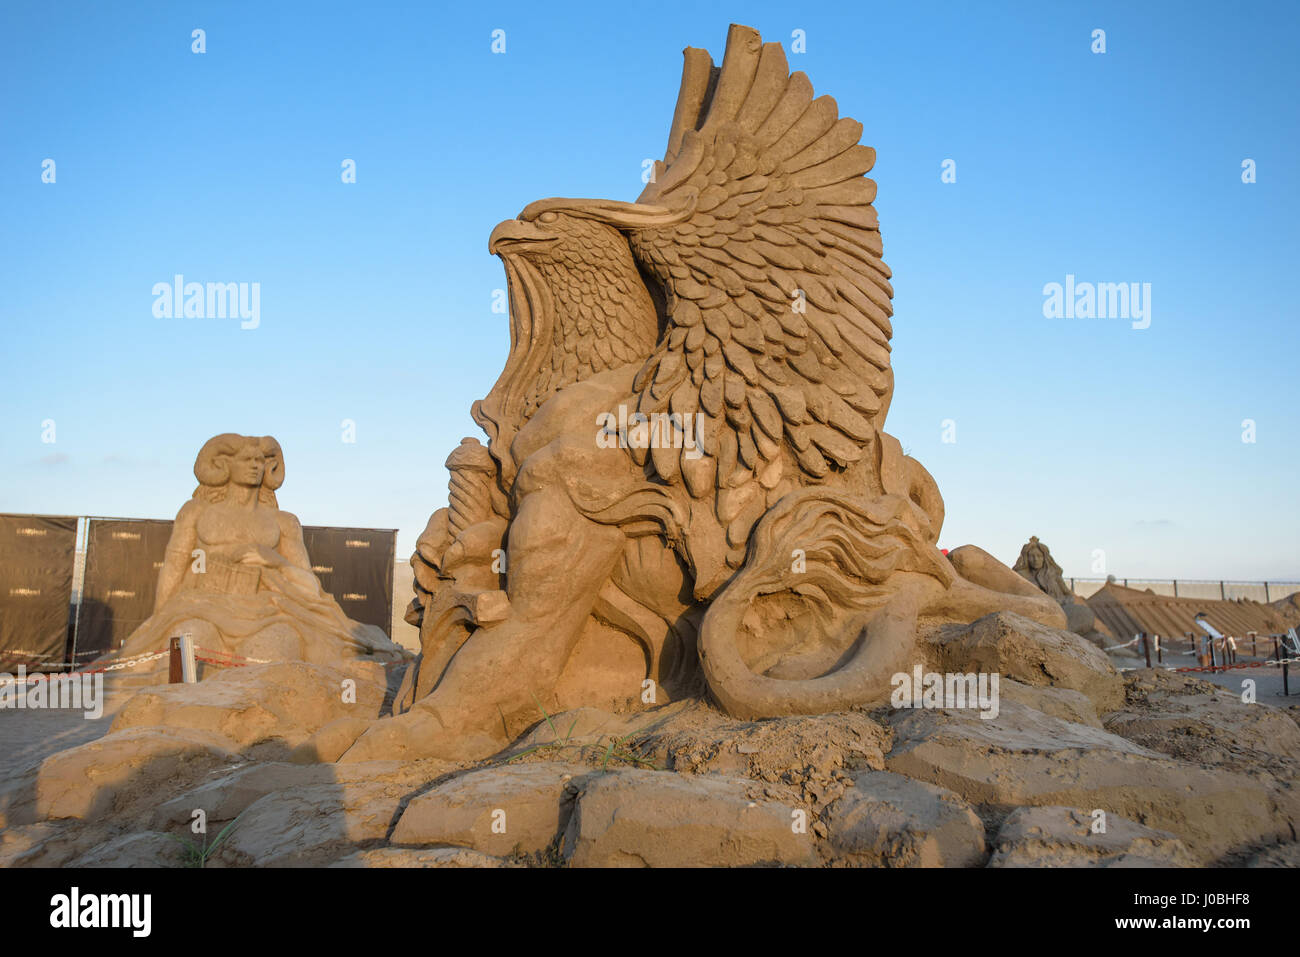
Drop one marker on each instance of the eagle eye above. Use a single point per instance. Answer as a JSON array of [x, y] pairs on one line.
[[548, 217]]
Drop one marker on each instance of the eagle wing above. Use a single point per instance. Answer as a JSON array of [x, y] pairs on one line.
[[778, 302]]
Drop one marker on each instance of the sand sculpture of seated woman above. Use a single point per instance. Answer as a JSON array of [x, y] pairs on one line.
[[236, 576]]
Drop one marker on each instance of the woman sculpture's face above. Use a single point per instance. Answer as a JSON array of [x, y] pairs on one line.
[[248, 466], [1035, 559]]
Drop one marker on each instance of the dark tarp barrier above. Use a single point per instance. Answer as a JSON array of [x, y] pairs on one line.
[[37, 557], [355, 565], [123, 558]]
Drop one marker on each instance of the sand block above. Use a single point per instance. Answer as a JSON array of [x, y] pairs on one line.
[[421, 857], [499, 810], [285, 702], [1024, 757], [1016, 647], [636, 818], [1070, 837], [887, 820]]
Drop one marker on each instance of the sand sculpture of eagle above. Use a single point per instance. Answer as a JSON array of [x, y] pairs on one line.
[[743, 291], [757, 229]]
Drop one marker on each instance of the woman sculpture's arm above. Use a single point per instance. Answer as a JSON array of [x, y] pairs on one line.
[[292, 550], [180, 552], [292, 546]]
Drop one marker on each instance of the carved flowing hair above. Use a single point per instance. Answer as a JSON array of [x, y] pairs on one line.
[[1050, 574], [212, 467]]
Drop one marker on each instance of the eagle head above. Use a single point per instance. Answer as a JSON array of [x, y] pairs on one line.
[[576, 293], [579, 304]]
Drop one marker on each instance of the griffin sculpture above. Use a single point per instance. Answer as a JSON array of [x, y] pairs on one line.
[[687, 487]]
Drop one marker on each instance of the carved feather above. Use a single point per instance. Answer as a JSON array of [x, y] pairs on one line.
[[778, 301]]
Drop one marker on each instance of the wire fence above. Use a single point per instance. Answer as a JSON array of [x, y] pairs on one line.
[[1222, 590]]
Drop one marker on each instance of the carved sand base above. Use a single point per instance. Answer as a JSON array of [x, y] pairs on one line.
[[243, 631], [685, 784]]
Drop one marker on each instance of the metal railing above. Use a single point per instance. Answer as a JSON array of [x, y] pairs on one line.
[[1208, 589]]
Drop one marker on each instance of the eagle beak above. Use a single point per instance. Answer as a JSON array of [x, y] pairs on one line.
[[515, 234]]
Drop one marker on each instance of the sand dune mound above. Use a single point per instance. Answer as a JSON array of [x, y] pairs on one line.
[[1126, 611]]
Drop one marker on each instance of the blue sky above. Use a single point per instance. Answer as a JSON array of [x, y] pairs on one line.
[[376, 296]]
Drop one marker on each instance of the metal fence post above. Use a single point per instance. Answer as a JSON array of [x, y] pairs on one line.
[[83, 533], [189, 671]]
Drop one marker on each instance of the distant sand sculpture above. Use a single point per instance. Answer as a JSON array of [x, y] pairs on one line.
[[758, 533], [236, 576], [1036, 565]]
